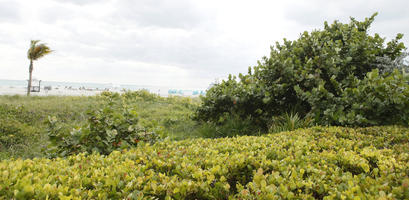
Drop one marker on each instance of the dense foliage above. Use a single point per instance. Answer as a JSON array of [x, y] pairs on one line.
[[372, 101], [315, 163], [110, 127], [340, 75]]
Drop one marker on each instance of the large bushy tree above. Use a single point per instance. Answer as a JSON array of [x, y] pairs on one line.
[[324, 75]]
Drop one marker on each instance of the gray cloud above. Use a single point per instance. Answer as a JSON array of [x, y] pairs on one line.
[[81, 2], [315, 11], [392, 15], [56, 13], [158, 31], [9, 11], [158, 13]]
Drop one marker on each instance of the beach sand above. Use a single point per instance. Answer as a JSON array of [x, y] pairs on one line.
[[62, 91], [70, 91]]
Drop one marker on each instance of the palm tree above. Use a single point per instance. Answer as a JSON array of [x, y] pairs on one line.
[[35, 52]]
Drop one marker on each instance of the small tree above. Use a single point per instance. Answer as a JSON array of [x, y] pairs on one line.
[[35, 52]]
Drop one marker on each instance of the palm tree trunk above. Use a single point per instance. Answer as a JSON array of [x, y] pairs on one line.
[[30, 70]]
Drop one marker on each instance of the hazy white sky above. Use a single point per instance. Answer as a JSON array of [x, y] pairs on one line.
[[171, 43]]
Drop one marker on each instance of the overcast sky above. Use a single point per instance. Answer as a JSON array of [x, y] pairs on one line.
[[173, 43]]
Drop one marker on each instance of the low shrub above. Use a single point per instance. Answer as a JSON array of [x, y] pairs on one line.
[[314, 163], [110, 127], [142, 94]]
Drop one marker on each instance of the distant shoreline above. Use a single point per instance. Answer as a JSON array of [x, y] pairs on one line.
[[10, 90], [50, 88]]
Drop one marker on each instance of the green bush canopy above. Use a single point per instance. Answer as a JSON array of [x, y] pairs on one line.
[[315, 163], [335, 76]]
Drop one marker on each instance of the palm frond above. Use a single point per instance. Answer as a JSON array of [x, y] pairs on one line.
[[37, 51], [289, 122], [34, 42]]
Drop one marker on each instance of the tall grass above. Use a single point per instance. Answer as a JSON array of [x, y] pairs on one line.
[[233, 126], [23, 131], [22, 127], [289, 122]]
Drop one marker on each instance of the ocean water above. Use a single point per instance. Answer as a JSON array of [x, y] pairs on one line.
[[161, 90]]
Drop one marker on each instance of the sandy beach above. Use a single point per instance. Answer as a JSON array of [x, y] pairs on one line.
[[71, 91], [63, 91]]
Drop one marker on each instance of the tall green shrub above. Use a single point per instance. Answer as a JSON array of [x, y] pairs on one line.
[[314, 76]]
